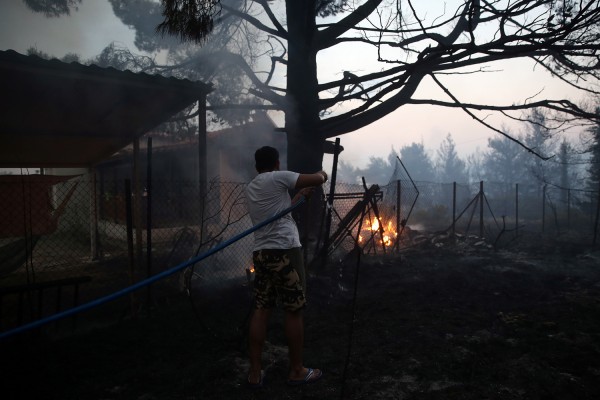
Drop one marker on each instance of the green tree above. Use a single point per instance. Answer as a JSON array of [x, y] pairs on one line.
[[541, 140], [347, 173], [594, 150], [564, 164], [475, 166], [449, 166], [417, 162], [378, 171], [504, 162]]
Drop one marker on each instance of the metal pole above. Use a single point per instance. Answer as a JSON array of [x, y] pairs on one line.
[[93, 216], [398, 213], [137, 203], [202, 160], [453, 208], [597, 216], [148, 193], [544, 209], [336, 153], [569, 208], [130, 252], [481, 209], [517, 209]]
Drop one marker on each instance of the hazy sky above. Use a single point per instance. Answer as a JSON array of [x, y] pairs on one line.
[[90, 29]]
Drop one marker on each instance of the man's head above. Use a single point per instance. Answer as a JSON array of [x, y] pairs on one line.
[[267, 159]]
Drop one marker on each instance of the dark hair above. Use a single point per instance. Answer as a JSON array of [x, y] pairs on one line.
[[266, 158]]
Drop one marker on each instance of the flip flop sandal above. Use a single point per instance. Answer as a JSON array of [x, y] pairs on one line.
[[311, 377]]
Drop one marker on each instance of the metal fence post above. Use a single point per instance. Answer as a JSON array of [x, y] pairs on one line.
[[597, 215], [130, 252], [481, 209], [568, 208], [137, 204], [453, 208], [517, 209], [544, 209], [332, 183], [398, 213], [93, 215], [148, 195]]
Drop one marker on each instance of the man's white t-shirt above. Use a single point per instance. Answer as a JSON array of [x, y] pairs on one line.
[[267, 195]]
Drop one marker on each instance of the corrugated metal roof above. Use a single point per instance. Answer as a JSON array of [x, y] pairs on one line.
[[55, 114]]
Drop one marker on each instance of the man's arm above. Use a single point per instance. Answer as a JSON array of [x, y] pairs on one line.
[[308, 180]]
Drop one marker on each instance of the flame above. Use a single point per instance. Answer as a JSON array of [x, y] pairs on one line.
[[389, 233], [374, 224]]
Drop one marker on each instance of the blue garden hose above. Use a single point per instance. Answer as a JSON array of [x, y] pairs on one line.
[[147, 281]]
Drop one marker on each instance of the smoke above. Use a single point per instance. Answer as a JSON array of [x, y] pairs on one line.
[[86, 31]]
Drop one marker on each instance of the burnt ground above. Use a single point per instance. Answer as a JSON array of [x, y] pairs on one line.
[[449, 322]]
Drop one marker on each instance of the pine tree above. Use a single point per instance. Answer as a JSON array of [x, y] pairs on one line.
[[594, 149]]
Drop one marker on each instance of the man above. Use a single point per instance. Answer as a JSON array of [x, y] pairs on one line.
[[278, 262]]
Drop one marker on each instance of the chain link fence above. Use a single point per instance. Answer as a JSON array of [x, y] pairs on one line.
[[69, 240]]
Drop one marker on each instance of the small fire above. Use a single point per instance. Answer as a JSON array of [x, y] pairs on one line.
[[250, 273], [389, 233], [374, 225]]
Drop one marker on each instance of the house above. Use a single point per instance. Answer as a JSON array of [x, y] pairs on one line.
[[174, 168], [66, 118]]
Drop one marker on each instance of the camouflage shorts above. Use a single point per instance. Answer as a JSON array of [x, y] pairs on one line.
[[279, 277]]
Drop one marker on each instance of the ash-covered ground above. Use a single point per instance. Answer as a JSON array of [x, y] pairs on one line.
[[437, 321]]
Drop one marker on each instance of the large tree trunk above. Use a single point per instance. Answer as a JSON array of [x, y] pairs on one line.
[[305, 141]]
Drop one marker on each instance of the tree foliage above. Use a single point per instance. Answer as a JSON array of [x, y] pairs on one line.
[[412, 47], [418, 162], [192, 19], [594, 150], [541, 140], [274, 47], [503, 162], [143, 17], [450, 167]]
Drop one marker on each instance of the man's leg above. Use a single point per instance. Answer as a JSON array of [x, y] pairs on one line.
[[294, 332], [257, 335]]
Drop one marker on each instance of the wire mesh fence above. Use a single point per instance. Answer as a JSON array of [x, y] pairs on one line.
[[67, 240]]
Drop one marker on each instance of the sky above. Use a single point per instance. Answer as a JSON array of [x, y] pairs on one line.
[[93, 26]]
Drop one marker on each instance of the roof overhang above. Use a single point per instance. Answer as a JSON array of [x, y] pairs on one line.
[[55, 114]]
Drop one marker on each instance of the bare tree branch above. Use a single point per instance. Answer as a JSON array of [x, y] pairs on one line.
[[278, 31]]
